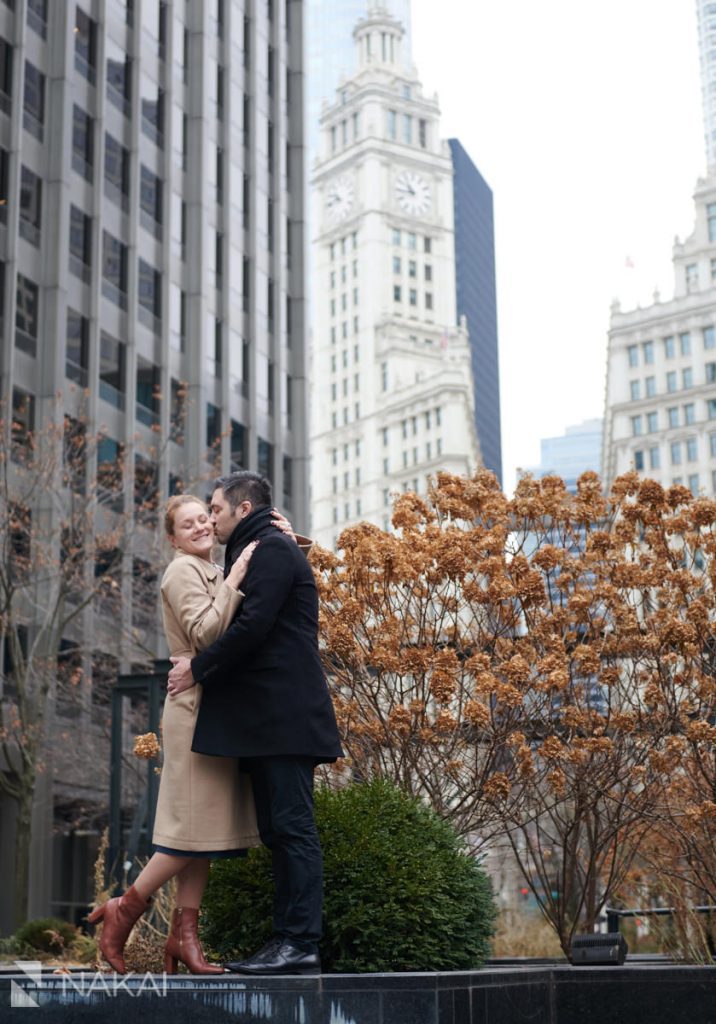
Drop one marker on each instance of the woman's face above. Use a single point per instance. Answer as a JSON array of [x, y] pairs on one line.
[[193, 532]]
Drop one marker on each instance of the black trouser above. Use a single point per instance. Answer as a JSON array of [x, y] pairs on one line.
[[283, 792]]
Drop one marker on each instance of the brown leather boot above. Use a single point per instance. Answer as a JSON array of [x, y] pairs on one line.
[[119, 916], [183, 944]]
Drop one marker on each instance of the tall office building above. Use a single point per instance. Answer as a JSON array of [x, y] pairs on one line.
[[476, 297], [392, 389], [706, 18], [151, 237], [330, 52], [660, 403]]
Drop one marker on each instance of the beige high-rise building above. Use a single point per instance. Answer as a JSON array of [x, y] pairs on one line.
[[660, 402]]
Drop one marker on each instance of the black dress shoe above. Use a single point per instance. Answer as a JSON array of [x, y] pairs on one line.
[[280, 956]]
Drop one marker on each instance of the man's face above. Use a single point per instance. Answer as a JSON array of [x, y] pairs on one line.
[[223, 518]]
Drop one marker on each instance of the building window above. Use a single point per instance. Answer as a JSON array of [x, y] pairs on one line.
[[636, 426], [34, 101], [396, 265], [397, 293], [177, 411], [711, 218], [413, 297], [82, 143], [633, 353], [685, 343], [30, 206], [652, 422], [392, 124], [26, 315], [711, 408], [671, 381], [423, 133], [119, 84], [149, 296], [23, 425], [692, 277], [4, 183], [6, 54], [648, 348], [669, 348], [694, 483], [146, 490], [265, 458], [687, 377], [151, 201], [80, 244], [238, 446], [654, 458], [673, 414], [407, 129], [412, 268], [116, 172], [712, 445], [713, 269], [112, 369], [153, 118], [85, 45], [691, 449], [635, 390], [638, 460], [709, 337], [650, 384], [147, 392], [114, 269], [213, 427], [77, 348], [689, 413], [428, 300], [676, 453]]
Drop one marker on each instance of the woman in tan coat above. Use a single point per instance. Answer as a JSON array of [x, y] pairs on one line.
[[205, 808]]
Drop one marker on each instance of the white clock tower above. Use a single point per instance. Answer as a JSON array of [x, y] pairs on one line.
[[392, 389]]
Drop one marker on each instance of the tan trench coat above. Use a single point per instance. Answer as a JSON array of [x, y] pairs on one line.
[[205, 804]]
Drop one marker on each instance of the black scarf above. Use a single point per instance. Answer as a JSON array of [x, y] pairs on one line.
[[246, 531]]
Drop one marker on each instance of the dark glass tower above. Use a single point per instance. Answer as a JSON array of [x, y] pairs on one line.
[[476, 298]]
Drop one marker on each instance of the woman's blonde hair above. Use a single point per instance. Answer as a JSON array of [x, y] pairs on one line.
[[173, 505]]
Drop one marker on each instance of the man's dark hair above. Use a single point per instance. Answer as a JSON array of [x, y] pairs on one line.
[[245, 486]]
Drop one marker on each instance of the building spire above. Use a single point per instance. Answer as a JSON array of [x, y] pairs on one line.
[[379, 39]]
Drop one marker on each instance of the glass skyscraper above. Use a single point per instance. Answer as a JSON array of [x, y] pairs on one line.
[[476, 296]]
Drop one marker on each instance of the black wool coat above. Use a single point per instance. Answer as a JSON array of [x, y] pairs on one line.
[[264, 690]]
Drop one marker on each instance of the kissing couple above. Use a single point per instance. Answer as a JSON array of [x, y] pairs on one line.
[[247, 718]]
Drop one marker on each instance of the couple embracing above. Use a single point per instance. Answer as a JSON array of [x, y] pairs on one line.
[[247, 719]]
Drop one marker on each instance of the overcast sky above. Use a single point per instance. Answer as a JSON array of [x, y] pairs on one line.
[[585, 119]]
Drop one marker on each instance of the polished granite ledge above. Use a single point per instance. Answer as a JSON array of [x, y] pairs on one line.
[[638, 993]]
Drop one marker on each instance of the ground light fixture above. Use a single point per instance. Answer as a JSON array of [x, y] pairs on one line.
[[607, 949]]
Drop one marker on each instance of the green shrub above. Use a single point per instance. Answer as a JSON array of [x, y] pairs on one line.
[[47, 935], [401, 892]]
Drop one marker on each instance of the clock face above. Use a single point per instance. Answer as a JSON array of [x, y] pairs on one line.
[[339, 199], [412, 193]]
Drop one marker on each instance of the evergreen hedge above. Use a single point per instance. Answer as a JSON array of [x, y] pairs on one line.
[[401, 891]]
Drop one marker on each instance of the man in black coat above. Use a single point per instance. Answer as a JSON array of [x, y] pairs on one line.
[[265, 700]]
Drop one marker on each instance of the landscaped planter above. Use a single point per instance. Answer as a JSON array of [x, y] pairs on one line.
[[539, 994]]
